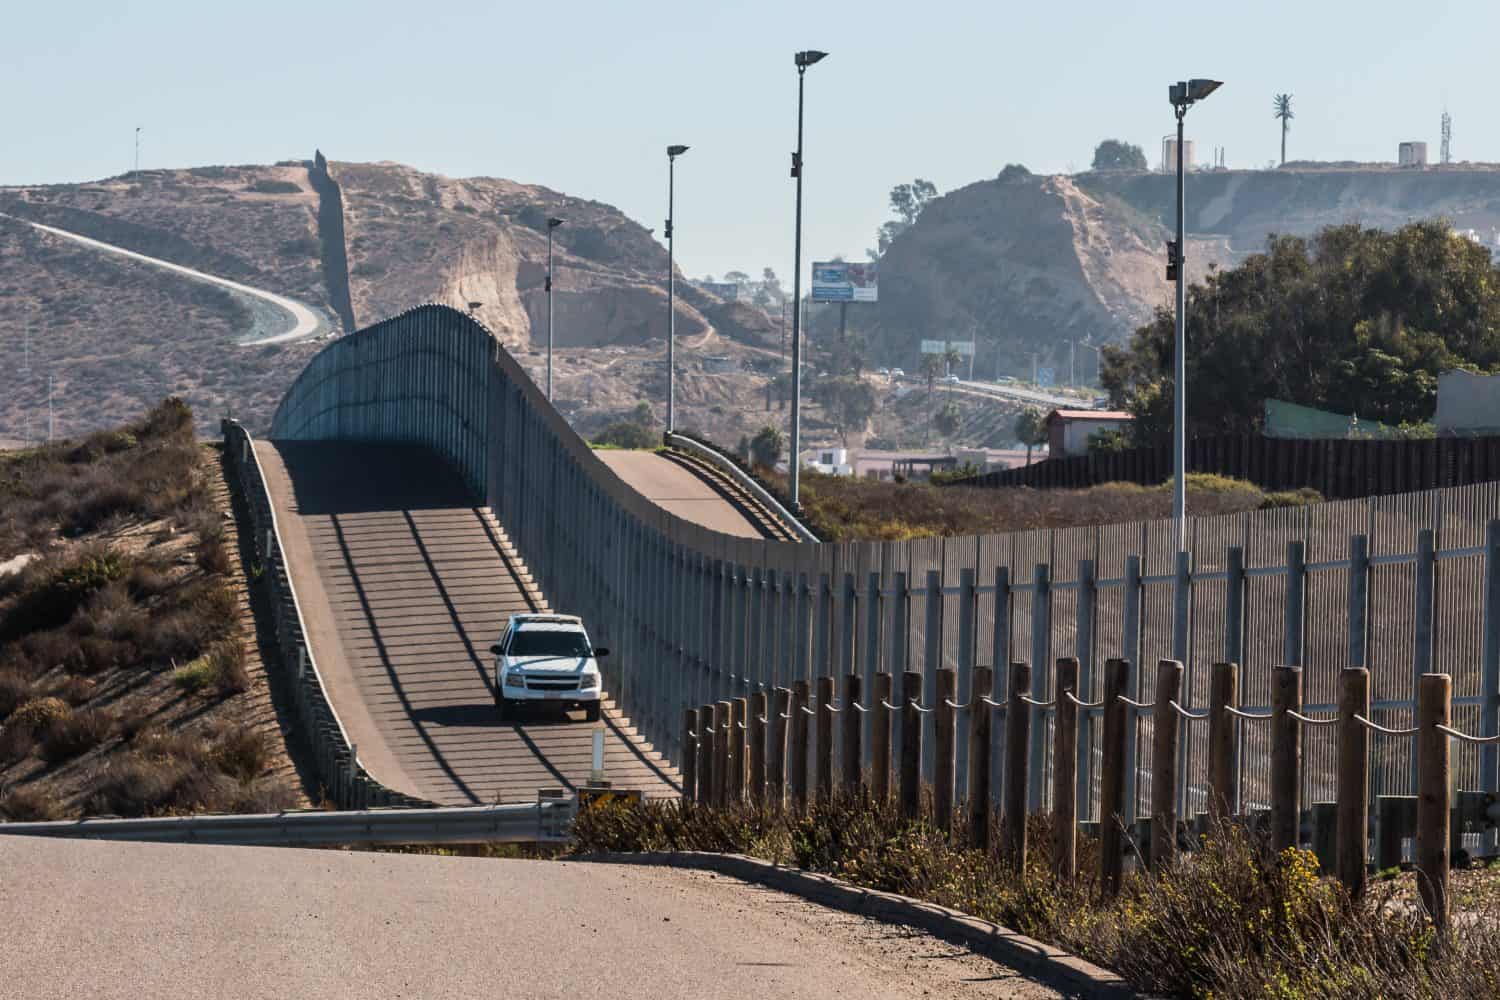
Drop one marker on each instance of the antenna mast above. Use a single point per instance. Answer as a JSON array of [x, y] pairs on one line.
[[1447, 137]]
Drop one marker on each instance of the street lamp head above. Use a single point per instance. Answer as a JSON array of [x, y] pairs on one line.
[[554, 223], [1183, 94], [808, 57], [676, 151]]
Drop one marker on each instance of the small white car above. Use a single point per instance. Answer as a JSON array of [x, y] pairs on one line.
[[543, 659]]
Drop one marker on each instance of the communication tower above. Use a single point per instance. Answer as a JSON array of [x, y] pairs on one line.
[[1447, 156]]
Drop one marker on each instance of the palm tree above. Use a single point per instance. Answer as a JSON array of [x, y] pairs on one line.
[[932, 366], [1284, 112]]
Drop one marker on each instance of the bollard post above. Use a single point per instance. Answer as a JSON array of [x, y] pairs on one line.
[[942, 749], [1017, 747], [1223, 755], [689, 753], [1434, 708], [1353, 780], [1165, 727], [910, 785], [824, 765], [1286, 758], [880, 739], [705, 768], [850, 749], [798, 763], [1323, 818], [781, 705], [722, 713], [737, 750], [757, 725], [1065, 772], [1112, 777], [979, 759]]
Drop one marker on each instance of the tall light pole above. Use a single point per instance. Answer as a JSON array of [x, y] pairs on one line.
[[551, 225], [673, 152], [1182, 96], [137, 151], [803, 60]]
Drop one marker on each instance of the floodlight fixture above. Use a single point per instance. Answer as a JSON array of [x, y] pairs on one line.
[[808, 57], [554, 223], [673, 151]]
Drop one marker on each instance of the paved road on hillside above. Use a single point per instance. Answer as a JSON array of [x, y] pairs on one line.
[[404, 584], [305, 322], [119, 921], [674, 488]]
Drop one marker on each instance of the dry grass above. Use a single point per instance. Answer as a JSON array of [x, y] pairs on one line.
[[841, 509]]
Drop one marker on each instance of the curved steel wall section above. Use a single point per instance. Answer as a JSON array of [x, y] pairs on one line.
[[697, 616]]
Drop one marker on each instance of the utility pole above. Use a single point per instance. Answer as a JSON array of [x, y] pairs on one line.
[[551, 225], [51, 425], [672, 153], [137, 151], [1072, 351], [803, 59]]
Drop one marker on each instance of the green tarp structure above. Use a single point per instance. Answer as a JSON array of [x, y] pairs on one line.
[[1288, 420]]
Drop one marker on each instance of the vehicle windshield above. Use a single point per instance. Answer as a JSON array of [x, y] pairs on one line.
[[548, 643]]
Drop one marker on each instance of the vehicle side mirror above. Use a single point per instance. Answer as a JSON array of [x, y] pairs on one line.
[[496, 649], [600, 651]]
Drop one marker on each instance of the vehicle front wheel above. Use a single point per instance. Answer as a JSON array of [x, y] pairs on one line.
[[502, 704], [591, 712]]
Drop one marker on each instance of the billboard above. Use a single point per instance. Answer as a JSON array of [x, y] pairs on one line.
[[843, 281], [964, 348]]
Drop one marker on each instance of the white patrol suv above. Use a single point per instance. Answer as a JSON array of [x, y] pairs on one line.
[[546, 659]]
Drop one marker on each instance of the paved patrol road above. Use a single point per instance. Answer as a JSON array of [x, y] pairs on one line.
[[121, 921], [404, 583], [676, 489]]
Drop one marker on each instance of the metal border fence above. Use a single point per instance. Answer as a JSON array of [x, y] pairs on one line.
[[1403, 584]]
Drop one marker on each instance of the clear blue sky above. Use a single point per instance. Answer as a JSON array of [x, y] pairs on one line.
[[583, 97]]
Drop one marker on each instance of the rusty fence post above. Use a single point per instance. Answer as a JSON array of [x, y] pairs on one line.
[[979, 759], [1114, 760], [757, 724], [880, 739], [910, 784], [1433, 854], [853, 722], [1065, 771], [723, 712], [1286, 758], [706, 737], [689, 753], [1166, 728], [943, 747], [781, 704], [824, 764], [1223, 748], [798, 763], [1017, 747], [737, 733], [1353, 780]]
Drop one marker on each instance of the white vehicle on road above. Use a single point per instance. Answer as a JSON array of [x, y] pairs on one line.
[[546, 660]]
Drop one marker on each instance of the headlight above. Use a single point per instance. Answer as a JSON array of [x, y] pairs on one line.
[[589, 680], [514, 678]]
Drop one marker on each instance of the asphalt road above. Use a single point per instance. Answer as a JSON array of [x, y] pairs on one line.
[[120, 921], [674, 488], [1026, 395], [404, 583], [305, 322]]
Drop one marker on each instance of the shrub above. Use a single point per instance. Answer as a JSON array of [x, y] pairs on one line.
[[30, 805], [15, 690], [213, 556], [58, 587], [141, 786], [220, 670], [625, 434], [18, 738], [196, 677], [75, 734], [268, 185], [241, 752]]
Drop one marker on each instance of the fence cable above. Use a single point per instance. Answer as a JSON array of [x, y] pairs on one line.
[[1252, 716], [919, 708], [1148, 706], [831, 708], [955, 705], [1311, 721], [807, 710], [1083, 704], [893, 708], [992, 702], [1190, 716], [858, 707], [1466, 737], [1038, 704], [1383, 729]]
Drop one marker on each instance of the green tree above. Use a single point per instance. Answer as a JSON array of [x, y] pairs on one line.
[[948, 420], [849, 404], [1284, 112], [907, 201], [1114, 154], [767, 447], [932, 367], [627, 434], [1031, 429], [1013, 172], [1354, 320]]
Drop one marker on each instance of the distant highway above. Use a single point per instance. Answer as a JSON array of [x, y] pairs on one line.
[[1025, 395], [305, 321]]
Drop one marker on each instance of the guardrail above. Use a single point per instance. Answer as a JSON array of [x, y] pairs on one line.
[[335, 758], [745, 482], [542, 822]]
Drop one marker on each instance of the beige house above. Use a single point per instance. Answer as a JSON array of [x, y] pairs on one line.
[[1068, 430]]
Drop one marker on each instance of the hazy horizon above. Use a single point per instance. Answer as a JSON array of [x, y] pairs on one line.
[[934, 92]]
